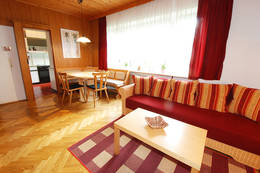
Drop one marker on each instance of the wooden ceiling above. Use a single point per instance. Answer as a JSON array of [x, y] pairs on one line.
[[92, 9]]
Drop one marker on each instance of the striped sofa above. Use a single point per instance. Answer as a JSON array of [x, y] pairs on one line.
[[228, 132]]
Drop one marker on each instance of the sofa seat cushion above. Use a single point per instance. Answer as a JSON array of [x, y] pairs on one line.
[[115, 83], [228, 128]]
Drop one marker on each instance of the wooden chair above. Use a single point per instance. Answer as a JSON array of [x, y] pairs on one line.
[[69, 88], [100, 84]]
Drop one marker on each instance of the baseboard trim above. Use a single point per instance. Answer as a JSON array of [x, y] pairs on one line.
[[2, 104]]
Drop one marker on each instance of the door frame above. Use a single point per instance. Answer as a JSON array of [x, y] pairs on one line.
[[21, 48]]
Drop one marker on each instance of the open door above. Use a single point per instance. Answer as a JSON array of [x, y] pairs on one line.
[[12, 88], [25, 61], [21, 48]]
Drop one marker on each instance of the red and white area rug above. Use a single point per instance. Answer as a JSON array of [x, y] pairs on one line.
[[95, 153]]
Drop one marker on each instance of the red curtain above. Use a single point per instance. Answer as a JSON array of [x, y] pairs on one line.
[[102, 44], [209, 46]]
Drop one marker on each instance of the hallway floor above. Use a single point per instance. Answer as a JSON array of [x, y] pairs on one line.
[[42, 89]]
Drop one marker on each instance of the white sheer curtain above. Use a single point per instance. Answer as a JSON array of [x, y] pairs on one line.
[[156, 37]]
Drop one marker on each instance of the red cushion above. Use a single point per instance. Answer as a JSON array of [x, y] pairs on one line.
[[228, 128]]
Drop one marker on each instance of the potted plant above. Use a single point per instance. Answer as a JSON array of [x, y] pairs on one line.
[[163, 67], [126, 64]]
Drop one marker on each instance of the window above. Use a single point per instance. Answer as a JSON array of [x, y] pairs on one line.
[[156, 37]]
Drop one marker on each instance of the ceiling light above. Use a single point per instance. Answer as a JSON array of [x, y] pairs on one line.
[[82, 39]]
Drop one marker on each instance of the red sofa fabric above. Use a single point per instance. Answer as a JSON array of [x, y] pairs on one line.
[[228, 128]]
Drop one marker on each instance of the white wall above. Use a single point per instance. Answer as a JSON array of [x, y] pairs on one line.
[[242, 62], [11, 83]]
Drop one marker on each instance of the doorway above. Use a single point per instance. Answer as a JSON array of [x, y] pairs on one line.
[[40, 61]]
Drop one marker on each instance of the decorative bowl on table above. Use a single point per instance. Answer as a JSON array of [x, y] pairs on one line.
[[156, 122]]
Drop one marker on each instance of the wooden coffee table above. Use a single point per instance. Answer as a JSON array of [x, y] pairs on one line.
[[182, 141]]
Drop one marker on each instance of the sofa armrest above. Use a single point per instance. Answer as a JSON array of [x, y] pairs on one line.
[[125, 92]]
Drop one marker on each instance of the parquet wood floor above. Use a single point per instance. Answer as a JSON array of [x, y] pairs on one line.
[[34, 137]]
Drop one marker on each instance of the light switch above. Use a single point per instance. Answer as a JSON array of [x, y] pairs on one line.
[[7, 48]]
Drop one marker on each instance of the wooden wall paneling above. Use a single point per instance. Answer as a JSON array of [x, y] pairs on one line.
[[11, 10], [4, 20], [19, 36], [95, 39]]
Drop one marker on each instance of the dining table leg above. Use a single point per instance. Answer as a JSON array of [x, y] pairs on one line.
[[84, 92]]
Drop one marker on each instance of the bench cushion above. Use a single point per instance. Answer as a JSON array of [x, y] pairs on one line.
[[75, 85], [115, 83], [228, 128]]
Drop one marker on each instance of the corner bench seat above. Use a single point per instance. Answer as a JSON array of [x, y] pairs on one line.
[[228, 128], [117, 78]]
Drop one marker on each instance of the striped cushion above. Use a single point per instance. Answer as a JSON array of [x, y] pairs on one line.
[[161, 88], [184, 92], [142, 84], [212, 96], [246, 102]]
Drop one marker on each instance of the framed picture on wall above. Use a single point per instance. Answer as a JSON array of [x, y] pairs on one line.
[[70, 46]]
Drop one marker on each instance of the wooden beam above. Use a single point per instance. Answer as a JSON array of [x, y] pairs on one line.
[[124, 7]]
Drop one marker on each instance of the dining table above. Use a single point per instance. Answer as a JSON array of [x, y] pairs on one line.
[[84, 77]]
